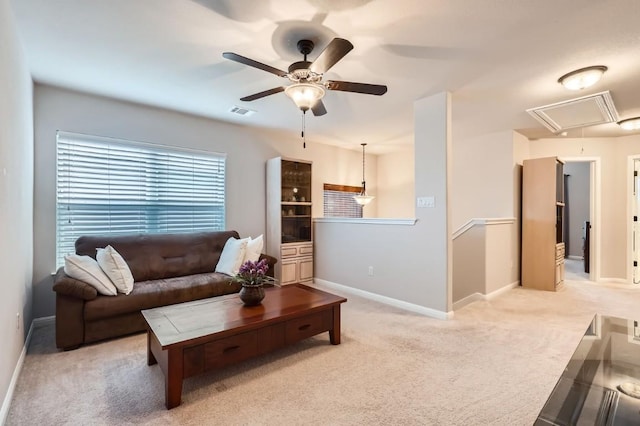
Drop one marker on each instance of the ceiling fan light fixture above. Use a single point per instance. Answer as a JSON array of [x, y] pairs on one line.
[[305, 95], [583, 77], [630, 123]]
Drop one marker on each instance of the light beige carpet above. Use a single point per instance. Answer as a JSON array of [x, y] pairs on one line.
[[495, 363]]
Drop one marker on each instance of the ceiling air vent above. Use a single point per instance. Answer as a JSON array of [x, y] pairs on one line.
[[242, 111], [580, 112]]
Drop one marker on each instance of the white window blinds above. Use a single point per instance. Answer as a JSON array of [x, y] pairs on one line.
[[339, 201], [113, 186]]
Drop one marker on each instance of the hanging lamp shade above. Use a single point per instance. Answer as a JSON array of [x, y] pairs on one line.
[[363, 198], [305, 95]]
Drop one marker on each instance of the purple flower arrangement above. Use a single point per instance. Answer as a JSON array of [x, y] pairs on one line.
[[253, 273]]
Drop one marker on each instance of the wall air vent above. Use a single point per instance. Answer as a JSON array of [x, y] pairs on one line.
[[241, 111], [579, 112]]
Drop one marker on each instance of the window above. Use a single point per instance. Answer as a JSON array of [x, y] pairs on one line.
[[113, 186], [339, 202]]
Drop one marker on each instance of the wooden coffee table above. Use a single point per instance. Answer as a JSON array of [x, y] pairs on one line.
[[193, 337]]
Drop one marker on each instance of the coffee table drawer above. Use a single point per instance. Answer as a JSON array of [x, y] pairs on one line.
[[229, 350], [307, 326]]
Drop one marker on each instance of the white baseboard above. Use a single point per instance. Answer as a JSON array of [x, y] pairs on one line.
[[4, 411], [499, 291], [468, 300], [384, 299], [479, 296], [612, 280], [605, 280]]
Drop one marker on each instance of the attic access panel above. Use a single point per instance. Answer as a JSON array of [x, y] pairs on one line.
[[579, 112]]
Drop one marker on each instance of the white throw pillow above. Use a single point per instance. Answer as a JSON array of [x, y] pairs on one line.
[[85, 268], [254, 249], [232, 256], [116, 268]]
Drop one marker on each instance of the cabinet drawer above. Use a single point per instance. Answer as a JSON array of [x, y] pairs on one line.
[[305, 250], [307, 326], [288, 251], [230, 350]]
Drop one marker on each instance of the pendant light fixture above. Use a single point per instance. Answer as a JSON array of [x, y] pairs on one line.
[[362, 198]]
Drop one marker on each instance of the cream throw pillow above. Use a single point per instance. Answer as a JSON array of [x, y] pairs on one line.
[[116, 268], [232, 256], [254, 249], [85, 268]]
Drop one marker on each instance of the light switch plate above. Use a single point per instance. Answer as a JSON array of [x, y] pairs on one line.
[[426, 202]]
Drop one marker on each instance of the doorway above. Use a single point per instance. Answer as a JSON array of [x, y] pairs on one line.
[[582, 183], [635, 229]]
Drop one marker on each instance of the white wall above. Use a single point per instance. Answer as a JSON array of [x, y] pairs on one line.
[[613, 154], [247, 150], [16, 198], [395, 185], [410, 263]]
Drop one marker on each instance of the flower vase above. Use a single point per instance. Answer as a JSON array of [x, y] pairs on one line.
[[251, 294]]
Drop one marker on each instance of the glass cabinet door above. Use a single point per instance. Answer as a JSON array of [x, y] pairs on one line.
[[296, 201]]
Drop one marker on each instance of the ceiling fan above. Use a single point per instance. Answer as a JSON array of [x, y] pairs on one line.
[[308, 88]]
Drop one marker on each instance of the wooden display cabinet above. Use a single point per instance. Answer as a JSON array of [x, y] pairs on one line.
[[543, 208], [289, 228]]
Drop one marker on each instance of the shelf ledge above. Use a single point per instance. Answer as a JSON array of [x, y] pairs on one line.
[[366, 220]]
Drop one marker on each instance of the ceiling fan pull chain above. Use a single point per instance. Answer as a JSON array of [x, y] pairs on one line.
[[304, 139]]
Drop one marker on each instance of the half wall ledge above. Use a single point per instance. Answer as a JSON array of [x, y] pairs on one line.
[[366, 221]]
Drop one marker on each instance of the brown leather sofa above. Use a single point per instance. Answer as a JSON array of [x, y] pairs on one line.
[[167, 269]]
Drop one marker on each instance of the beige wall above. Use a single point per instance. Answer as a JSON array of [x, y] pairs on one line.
[[500, 257], [614, 193], [395, 185], [16, 199], [247, 151], [469, 263], [482, 179]]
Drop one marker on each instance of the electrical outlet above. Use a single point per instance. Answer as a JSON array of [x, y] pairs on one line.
[[370, 271]]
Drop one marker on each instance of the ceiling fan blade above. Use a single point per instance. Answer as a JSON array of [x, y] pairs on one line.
[[347, 86], [335, 50], [262, 94], [318, 109], [246, 61]]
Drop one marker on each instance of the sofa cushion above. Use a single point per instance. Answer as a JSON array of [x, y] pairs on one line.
[[115, 268], [86, 269], [232, 256], [156, 256], [254, 249], [153, 293]]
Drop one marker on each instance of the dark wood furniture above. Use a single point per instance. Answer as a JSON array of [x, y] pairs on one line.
[[193, 337]]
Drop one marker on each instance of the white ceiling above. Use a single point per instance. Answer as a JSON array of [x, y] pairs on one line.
[[497, 58]]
